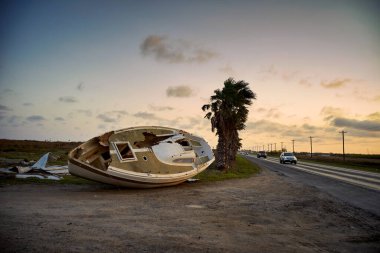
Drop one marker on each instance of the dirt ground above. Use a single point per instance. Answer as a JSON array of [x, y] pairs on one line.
[[265, 213]]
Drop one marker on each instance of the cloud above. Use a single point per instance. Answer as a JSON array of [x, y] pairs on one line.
[[161, 108], [309, 128], [261, 110], [273, 113], [227, 69], [366, 125], [35, 118], [27, 104], [119, 112], [376, 98], [88, 113], [106, 118], [145, 115], [266, 126], [329, 112], [14, 119], [270, 112], [181, 91], [5, 108], [374, 116], [270, 70], [334, 84], [288, 76], [305, 83], [80, 86], [190, 122], [59, 119], [283, 130], [6, 92], [68, 99], [174, 51], [112, 116], [102, 126]]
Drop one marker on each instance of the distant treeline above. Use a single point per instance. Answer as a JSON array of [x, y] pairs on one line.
[[33, 150]]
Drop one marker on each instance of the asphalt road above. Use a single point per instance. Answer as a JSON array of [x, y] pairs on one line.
[[358, 196]]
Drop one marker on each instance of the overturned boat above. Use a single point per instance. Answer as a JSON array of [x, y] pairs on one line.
[[142, 157]]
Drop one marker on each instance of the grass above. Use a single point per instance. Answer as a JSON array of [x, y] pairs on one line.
[[242, 168], [33, 150]]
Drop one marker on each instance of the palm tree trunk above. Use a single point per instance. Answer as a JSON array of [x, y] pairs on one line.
[[221, 153]]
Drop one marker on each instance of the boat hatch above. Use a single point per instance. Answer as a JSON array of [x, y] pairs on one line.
[[124, 151]]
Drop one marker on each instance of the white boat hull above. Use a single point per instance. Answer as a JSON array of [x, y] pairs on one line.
[[145, 167]]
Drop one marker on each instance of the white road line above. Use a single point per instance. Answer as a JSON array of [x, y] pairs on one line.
[[372, 174], [338, 175], [345, 179]]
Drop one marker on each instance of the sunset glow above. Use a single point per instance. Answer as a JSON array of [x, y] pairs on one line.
[[71, 70]]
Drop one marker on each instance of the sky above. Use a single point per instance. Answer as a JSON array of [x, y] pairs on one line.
[[72, 70]]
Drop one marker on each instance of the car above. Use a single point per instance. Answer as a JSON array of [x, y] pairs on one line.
[[261, 154], [288, 157]]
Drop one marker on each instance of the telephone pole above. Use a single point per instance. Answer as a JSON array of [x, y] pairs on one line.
[[275, 147], [311, 146], [293, 145], [344, 155]]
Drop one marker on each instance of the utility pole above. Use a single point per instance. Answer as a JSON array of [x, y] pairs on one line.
[[268, 147], [311, 146], [275, 149], [344, 155], [293, 145], [271, 147]]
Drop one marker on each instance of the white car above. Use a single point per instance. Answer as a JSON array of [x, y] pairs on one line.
[[288, 157]]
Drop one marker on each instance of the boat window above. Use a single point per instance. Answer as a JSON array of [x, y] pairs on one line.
[[124, 150]]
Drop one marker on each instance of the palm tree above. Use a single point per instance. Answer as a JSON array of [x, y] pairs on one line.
[[228, 113]]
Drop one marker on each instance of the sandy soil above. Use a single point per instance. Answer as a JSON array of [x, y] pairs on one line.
[[265, 213]]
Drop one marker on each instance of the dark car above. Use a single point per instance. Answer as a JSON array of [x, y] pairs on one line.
[[261, 154], [288, 157]]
